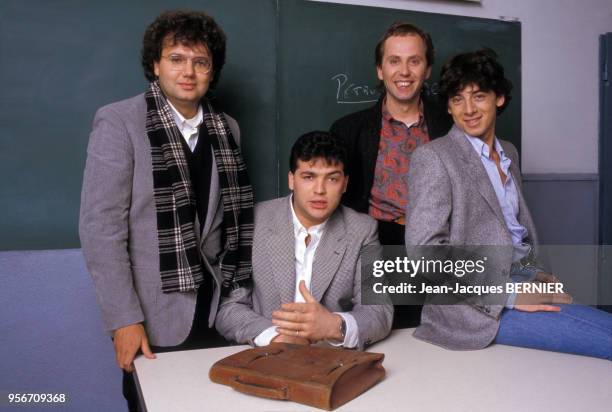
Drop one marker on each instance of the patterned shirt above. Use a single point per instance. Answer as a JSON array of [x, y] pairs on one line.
[[389, 193]]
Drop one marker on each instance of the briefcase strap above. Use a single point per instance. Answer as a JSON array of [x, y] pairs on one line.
[[240, 384]]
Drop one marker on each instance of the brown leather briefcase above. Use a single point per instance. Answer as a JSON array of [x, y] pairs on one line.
[[322, 377]]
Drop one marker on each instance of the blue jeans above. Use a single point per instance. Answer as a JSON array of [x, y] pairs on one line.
[[577, 329]]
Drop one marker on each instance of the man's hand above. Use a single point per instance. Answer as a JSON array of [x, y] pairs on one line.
[[541, 302], [296, 340], [546, 278], [309, 320], [127, 341]]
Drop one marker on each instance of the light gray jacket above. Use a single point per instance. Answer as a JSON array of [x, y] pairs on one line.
[[452, 202], [336, 274], [118, 228]]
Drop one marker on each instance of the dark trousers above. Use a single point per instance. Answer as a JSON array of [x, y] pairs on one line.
[[404, 316], [200, 337]]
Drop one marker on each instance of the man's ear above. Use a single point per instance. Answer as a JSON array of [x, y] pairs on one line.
[[290, 178], [500, 100]]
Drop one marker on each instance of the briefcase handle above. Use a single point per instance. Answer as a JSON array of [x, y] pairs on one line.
[[258, 389]]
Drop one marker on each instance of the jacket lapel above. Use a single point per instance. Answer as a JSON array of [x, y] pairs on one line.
[[328, 255], [477, 172], [281, 252]]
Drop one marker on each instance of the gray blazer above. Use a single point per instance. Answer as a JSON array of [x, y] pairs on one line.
[[118, 228], [336, 279], [452, 202]]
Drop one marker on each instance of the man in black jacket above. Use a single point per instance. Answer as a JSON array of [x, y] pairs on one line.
[[381, 139]]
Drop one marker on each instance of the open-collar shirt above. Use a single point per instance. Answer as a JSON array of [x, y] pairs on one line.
[[189, 128], [304, 259]]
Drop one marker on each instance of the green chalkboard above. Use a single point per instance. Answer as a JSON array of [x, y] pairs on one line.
[[292, 66], [326, 62], [62, 60]]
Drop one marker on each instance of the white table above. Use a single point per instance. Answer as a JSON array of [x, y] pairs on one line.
[[420, 377]]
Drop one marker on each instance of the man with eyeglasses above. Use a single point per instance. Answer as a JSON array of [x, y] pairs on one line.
[[166, 220]]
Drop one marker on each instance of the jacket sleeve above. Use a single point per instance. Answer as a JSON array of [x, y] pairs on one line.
[[103, 224], [342, 129], [236, 319], [429, 204]]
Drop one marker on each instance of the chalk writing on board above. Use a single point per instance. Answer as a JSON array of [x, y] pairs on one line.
[[351, 93]]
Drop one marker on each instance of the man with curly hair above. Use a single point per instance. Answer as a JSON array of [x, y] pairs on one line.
[[466, 190], [166, 219]]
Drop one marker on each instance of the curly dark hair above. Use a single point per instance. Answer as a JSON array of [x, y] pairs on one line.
[[400, 28], [185, 27], [480, 68], [317, 144]]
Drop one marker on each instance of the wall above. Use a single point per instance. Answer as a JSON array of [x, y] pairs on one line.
[[53, 339], [560, 42]]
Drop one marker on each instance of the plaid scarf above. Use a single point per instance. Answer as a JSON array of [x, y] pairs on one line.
[[180, 263]]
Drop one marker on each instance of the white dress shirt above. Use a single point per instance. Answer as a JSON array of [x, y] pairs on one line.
[[304, 256], [188, 127]]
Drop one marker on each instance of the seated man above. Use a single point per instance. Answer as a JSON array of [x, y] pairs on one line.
[[307, 253], [465, 189]]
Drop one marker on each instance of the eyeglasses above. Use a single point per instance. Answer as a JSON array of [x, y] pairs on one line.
[[178, 62]]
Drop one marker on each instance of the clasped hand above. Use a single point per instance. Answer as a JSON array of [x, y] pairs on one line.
[[542, 302]]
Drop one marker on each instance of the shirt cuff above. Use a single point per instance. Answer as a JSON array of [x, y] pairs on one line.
[[265, 337], [511, 300], [351, 337]]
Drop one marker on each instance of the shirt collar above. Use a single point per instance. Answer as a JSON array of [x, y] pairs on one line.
[[386, 115], [483, 150], [299, 228], [182, 123]]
